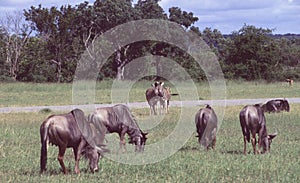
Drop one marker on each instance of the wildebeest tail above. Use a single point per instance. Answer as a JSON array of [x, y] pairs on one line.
[[200, 123], [44, 142], [244, 122]]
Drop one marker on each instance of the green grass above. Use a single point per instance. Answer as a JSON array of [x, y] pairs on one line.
[[31, 94], [20, 150]]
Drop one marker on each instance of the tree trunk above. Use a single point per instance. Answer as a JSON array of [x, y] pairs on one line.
[[121, 62], [120, 66], [58, 70], [120, 73]]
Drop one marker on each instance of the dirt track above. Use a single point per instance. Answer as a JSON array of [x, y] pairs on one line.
[[143, 105]]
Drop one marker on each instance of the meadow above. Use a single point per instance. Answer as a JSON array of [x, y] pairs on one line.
[[47, 94], [20, 141], [20, 151]]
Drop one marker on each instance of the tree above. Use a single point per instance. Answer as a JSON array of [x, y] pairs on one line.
[[3, 65], [33, 68], [56, 28], [182, 17], [109, 14], [216, 41], [150, 9], [252, 54], [15, 37]]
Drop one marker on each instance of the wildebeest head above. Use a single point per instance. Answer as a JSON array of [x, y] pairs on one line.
[[139, 141], [93, 156], [266, 143], [285, 105], [158, 88]]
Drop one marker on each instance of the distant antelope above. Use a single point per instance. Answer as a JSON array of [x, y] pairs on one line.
[[290, 82]]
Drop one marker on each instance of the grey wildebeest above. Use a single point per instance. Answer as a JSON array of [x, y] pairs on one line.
[[206, 123], [118, 119], [253, 122], [276, 105], [72, 130], [153, 96], [165, 99]]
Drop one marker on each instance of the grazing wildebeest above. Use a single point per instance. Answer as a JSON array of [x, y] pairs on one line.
[[118, 119], [206, 123], [276, 105], [253, 121], [72, 130], [153, 96]]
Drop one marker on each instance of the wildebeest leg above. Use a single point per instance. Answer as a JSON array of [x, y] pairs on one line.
[[206, 142], [259, 146], [77, 157], [152, 110], [245, 144], [168, 102], [122, 138], [122, 143], [60, 158], [77, 153], [155, 109], [253, 140], [214, 138], [165, 110], [214, 143]]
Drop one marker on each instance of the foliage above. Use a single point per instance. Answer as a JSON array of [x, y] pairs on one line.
[[254, 55], [62, 34]]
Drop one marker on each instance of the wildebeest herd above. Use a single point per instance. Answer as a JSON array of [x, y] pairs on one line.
[[86, 134]]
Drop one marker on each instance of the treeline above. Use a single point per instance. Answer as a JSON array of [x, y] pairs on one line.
[[47, 46]]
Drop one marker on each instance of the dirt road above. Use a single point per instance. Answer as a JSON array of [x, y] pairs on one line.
[[230, 102]]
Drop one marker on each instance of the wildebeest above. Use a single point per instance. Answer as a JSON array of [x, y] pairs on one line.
[[253, 121], [276, 105], [72, 130], [206, 123], [165, 99], [153, 96], [118, 119]]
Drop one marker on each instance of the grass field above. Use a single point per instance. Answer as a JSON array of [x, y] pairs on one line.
[[20, 151], [30, 94]]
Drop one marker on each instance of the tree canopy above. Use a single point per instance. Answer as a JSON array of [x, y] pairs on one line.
[[48, 44]]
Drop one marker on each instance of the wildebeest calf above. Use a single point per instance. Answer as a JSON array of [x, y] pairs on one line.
[[253, 121], [206, 123]]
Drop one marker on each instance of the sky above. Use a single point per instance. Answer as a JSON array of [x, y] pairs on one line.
[[225, 15]]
